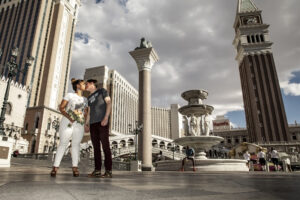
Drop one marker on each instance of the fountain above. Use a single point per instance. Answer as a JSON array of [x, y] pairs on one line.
[[197, 120]]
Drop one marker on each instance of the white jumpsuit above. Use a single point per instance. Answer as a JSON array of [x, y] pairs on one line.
[[75, 132]]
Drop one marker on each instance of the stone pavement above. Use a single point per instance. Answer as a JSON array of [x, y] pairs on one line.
[[25, 181]]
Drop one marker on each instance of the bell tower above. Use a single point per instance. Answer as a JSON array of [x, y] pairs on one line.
[[263, 103]]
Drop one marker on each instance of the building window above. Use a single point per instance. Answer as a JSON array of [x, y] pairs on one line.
[[229, 141], [257, 38], [294, 137], [262, 38], [237, 140], [253, 38], [8, 109], [244, 139], [26, 127], [37, 122], [248, 39]]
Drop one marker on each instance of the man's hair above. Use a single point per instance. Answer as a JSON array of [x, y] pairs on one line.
[[92, 81]]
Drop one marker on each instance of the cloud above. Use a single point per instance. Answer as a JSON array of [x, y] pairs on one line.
[[292, 89], [193, 40]]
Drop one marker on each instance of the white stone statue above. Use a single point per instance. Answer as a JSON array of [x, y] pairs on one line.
[[201, 131], [206, 124], [193, 126], [186, 126]]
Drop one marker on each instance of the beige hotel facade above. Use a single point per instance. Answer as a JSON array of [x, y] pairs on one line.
[[165, 121]]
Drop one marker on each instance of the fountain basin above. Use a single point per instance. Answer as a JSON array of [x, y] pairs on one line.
[[196, 109], [191, 94], [209, 165], [199, 144]]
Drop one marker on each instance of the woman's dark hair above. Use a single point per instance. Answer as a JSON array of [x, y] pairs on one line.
[[75, 82]]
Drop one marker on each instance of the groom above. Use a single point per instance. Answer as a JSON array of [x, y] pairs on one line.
[[99, 109]]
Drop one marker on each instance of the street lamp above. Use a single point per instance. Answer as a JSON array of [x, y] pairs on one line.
[[135, 130], [55, 125], [12, 67]]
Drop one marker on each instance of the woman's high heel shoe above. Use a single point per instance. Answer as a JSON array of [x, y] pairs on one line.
[[75, 171], [53, 171]]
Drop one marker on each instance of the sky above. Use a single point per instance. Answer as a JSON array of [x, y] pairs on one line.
[[193, 39]]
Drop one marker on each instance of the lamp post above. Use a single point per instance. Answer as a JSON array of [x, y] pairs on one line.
[[12, 67], [55, 125], [135, 130]]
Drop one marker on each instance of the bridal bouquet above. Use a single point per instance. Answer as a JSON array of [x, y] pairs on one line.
[[77, 116]]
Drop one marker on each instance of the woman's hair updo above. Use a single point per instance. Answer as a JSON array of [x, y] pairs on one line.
[[75, 82]]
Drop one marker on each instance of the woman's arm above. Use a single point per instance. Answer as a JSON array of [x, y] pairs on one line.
[[62, 109]]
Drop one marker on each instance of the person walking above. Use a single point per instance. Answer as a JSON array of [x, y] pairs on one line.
[[99, 109], [262, 159], [71, 126], [190, 153], [246, 156], [274, 158]]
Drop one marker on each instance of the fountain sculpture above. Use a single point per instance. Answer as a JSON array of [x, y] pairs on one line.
[[196, 120]]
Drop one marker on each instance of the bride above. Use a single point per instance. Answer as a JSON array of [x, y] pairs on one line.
[[72, 108]]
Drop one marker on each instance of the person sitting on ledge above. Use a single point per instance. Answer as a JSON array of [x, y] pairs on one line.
[[190, 153]]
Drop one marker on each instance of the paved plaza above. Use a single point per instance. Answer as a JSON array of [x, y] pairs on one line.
[[28, 181]]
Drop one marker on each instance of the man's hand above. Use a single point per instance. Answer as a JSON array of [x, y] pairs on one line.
[[104, 122], [86, 128]]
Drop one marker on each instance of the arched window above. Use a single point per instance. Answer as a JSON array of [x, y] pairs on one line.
[[257, 38], [248, 39], [154, 143], [8, 109], [253, 38], [37, 122]]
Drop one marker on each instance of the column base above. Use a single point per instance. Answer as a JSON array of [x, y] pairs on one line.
[[147, 168]]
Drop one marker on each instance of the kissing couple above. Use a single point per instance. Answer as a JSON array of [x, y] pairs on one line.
[[81, 115]]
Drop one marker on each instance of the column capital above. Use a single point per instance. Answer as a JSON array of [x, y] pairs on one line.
[[144, 58]]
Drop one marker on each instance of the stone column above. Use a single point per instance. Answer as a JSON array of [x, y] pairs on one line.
[[145, 59]]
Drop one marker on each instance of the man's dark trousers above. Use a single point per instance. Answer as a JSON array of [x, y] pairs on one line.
[[101, 134]]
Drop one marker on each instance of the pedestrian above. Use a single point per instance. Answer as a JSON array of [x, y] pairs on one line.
[[159, 156], [288, 164], [99, 109], [246, 156], [274, 158], [253, 158], [190, 153], [71, 126], [262, 159]]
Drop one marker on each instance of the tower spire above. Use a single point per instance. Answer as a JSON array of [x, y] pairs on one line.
[[245, 6]]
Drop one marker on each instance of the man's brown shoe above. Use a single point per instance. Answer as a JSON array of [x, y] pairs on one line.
[[107, 174], [95, 174]]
